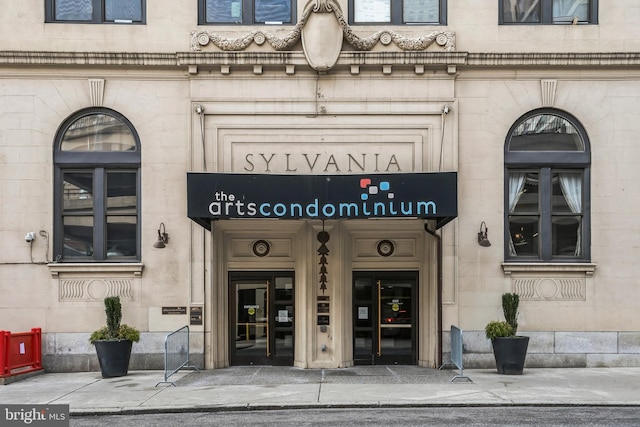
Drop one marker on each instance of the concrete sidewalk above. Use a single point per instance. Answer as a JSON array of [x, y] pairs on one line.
[[285, 387]]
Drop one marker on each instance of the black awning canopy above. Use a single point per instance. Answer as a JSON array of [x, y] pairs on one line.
[[214, 196]]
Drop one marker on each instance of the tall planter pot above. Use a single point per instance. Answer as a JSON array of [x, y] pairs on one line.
[[510, 354], [113, 356]]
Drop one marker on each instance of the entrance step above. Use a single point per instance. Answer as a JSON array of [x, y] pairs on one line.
[[271, 375]]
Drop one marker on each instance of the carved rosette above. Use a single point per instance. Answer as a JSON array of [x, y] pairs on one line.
[[445, 39]]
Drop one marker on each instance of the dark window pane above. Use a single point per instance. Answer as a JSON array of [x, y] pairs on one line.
[[362, 290], [524, 192], [567, 192], [524, 233], [570, 10], [98, 132], [395, 304], [121, 193], [284, 289], [284, 342], [78, 236], [121, 236], [223, 11], [372, 10], [546, 132], [272, 11], [421, 11], [566, 235], [123, 10], [521, 10], [77, 193], [73, 10]]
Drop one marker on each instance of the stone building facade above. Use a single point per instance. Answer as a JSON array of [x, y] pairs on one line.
[[514, 118]]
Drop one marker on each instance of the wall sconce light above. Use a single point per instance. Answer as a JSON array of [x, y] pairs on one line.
[[483, 240], [163, 237]]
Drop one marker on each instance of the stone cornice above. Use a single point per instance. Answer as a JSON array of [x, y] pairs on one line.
[[574, 59], [186, 59]]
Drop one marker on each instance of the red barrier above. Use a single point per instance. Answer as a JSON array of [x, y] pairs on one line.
[[20, 352]]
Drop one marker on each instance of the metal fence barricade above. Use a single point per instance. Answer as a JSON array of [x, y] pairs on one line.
[[176, 354], [20, 352], [456, 352]]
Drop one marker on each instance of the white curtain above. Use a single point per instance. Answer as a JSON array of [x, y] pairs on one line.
[[516, 184], [570, 9], [571, 184]]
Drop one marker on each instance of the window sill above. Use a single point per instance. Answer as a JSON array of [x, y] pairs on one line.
[[125, 269], [512, 267]]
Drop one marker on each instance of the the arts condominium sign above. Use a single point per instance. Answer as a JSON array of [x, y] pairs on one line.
[[214, 196]]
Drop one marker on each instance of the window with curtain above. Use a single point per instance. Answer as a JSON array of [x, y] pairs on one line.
[[548, 11], [398, 12], [547, 186], [97, 188], [246, 12], [96, 11]]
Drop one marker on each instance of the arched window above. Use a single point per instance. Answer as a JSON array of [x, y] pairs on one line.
[[547, 189], [97, 188]]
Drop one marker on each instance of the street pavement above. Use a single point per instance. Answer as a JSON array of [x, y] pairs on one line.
[[252, 387]]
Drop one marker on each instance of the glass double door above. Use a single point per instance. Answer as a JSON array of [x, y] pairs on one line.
[[385, 318], [261, 319]]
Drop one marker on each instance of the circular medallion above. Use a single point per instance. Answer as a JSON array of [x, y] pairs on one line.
[[385, 38], [442, 39], [385, 248], [259, 38], [261, 248], [203, 39]]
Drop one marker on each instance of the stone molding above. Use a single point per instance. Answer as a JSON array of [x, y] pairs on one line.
[[514, 267], [186, 59], [550, 281], [92, 282], [124, 269]]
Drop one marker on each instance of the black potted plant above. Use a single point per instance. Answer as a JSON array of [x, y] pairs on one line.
[[114, 341], [509, 349]]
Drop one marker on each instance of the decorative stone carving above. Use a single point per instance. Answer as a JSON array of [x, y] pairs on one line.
[[95, 289], [96, 92], [556, 289], [548, 89], [322, 38], [446, 39]]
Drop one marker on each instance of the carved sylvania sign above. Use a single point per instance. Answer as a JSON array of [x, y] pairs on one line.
[[213, 196]]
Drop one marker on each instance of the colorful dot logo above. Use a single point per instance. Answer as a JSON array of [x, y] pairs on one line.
[[371, 189]]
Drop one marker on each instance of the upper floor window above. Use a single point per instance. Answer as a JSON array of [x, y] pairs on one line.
[[548, 11], [398, 12], [97, 188], [246, 12], [547, 189], [96, 11]]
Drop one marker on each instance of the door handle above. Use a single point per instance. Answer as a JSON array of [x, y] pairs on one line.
[[268, 318], [379, 319]]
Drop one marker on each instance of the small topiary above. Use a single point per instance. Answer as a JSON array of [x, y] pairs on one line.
[[510, 303], [498, 329], [114, 330]]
